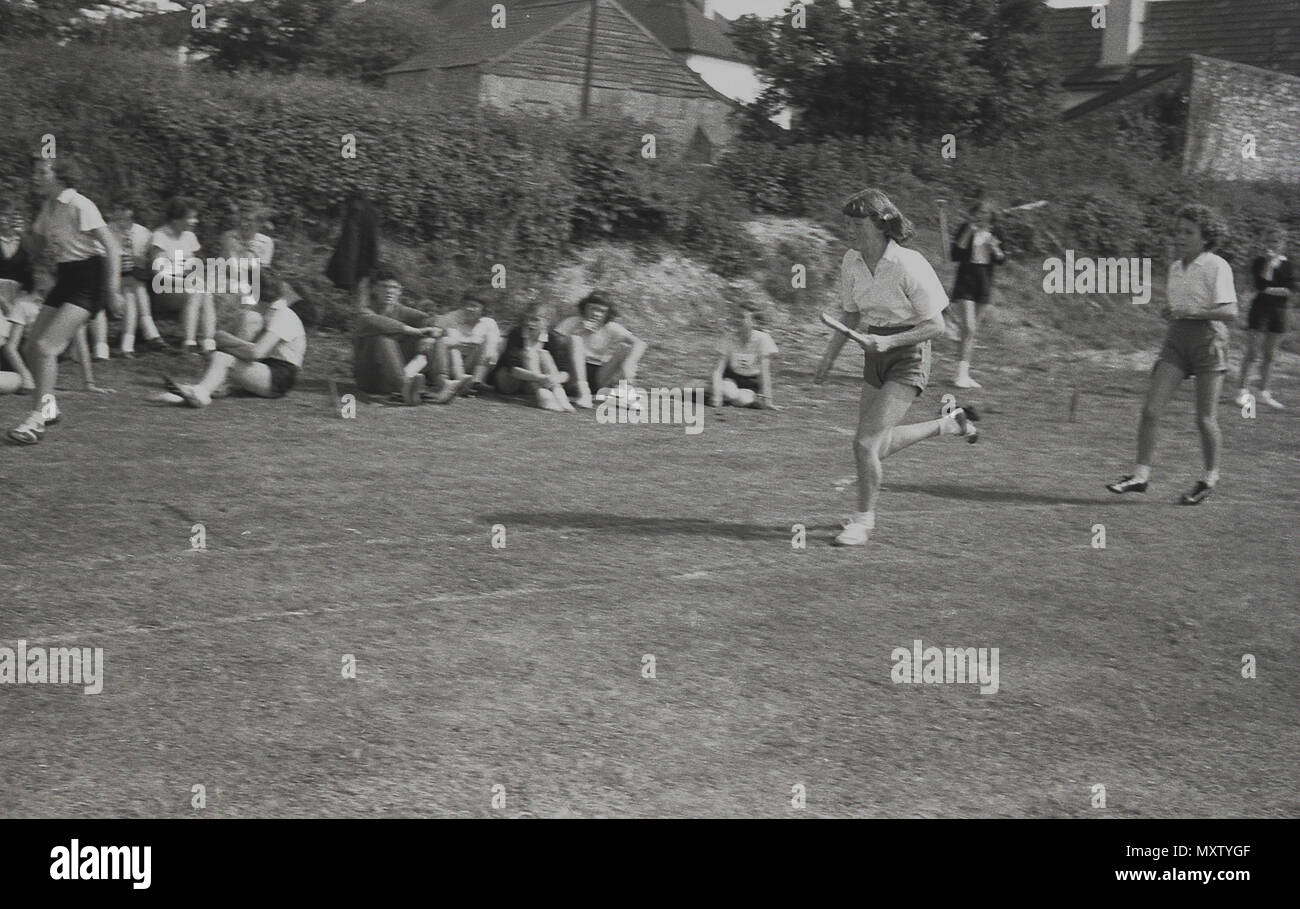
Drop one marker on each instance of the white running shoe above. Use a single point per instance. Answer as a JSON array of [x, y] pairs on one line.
[[1243, 397], [1267, 397], [194, 396], [966, 382], [853, 534]]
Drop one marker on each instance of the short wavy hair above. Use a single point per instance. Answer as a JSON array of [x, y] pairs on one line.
[[1214, 230], [596, 299], [874, 204]]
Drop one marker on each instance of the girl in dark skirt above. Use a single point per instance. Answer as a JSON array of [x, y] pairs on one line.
[[975, 250]]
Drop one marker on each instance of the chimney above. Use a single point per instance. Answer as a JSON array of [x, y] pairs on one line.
[[1122, 36]]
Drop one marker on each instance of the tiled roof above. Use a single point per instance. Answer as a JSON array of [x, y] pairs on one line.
[[682, 27], [1264, 33], [471, 39]]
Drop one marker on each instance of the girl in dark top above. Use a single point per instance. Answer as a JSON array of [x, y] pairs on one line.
[[527, 366], [1274, 281]]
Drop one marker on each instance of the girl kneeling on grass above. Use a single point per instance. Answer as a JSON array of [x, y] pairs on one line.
[[527, 366], [1201, 302], [743, 374]]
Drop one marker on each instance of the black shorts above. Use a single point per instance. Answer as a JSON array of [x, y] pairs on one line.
[[284, 375], [79, 283], [593, 375], [974, 282], [1267, 315], [749, 382]]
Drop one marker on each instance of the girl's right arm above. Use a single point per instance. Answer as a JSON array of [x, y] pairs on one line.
[[719, 367]]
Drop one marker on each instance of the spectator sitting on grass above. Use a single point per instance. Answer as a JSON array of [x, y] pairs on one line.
[[262, 358], [394, 348], [527, 366], [595, 349], [471, 340], [743, 374]]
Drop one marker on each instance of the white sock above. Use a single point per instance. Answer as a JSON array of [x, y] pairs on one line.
[[416, 366], [963, 368], [1142, 473], [865, 517], [1211, 477], [101, 350], [948, 425], [209, 345], [128, 343]]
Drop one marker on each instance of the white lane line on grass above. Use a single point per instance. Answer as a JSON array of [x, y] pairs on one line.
[[435, 600]]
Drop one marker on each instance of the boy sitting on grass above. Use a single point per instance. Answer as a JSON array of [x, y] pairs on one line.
[[394, 347]]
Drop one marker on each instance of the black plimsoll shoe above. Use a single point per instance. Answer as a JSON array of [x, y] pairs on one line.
[[1199, 494], [1128, 484]]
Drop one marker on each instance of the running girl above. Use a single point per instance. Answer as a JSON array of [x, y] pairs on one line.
[[1202, 301], [1274, 282], [897, 294], [743, 374], [72, 231]]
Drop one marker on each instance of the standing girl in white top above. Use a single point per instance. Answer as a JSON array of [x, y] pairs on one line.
[[898, 295], [1202, 300]]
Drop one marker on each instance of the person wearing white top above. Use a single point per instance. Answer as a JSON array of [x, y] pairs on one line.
[[72, 231], [470, 343], [134, 240], [172, 243], [1202, 300], [742, 376], [263, 358], [896, 292]]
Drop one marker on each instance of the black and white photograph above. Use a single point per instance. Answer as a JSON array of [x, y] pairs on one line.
[[650, 409]]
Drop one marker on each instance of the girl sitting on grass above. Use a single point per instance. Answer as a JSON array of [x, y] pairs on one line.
[[742, 376], [526, 366]]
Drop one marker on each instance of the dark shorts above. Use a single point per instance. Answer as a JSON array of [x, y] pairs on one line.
[[750, 382], [1196, 347], [593, 375], [909, 365], [284, 375], [1267, 315], [79, 283], [974, 282]]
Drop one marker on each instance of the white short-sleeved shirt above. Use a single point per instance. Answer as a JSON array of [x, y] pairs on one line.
[[746, 359], [284, 323], [260, 246], [485, 331], [598, 343], [66, 224], [186, 244], [903, 292], [981, 247], [135, 241], [1204, 285]]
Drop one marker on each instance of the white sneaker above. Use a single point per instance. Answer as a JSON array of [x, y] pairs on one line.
[[853, 534], [1243, 397], [966, 382], [194, 396], [1267, 397]]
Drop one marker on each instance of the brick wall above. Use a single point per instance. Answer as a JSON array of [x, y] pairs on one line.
[[1231, 100]]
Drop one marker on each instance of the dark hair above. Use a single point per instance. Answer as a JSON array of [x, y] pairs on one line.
[[67, 170], [874, 204], [124, 201], [270, 286], [385, 272], [484, 298], [1213, 229], [178, 207], [595, 299]]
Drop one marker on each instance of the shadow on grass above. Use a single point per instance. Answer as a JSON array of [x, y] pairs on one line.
[[972, 493], [648, 526]]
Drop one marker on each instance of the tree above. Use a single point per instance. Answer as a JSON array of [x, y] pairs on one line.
[[903, 68], [276, 35]]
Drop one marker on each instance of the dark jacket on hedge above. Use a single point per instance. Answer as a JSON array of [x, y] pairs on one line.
[[357, 251]]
